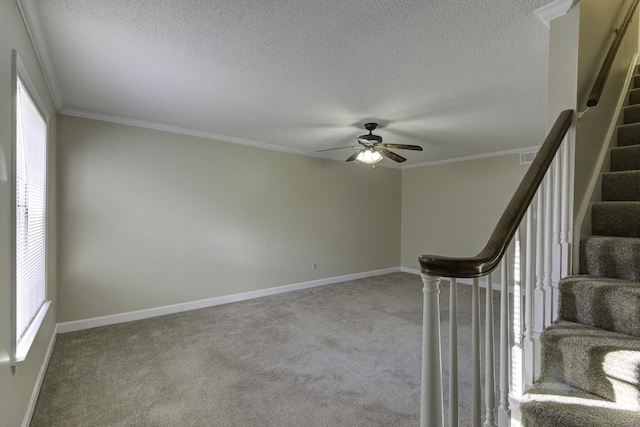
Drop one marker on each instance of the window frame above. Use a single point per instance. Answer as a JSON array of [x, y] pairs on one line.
[[19, 351]]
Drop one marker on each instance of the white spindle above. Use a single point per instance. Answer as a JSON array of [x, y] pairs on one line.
[[548, 223], [431, 401], [517, 372], [529, 371], [489, 374], [476, 412], [539, 299], [453, 353], [504, 411], [556, 258], [566, 208]]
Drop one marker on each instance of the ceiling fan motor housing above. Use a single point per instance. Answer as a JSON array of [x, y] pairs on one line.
[[374, 139]]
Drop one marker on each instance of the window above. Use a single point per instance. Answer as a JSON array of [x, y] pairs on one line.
[[30, 201]]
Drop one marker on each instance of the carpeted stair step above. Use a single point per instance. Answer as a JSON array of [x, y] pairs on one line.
[[621, 186], [590, 357], [620, 219], [551, 403], [613, 257], [629, 134], [604, 303], [595, 360], [634, 96], [631, 114], [625, 158]]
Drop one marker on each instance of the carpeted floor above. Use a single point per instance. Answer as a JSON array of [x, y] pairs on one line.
[[339, 355]]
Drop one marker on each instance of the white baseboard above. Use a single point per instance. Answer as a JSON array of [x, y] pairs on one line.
[[36, 388], [95, 322]]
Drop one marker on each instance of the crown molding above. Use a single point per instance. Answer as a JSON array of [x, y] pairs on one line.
[[175, 129], [34, 29], [233, 140], [190, 132], [476, 157], [554, 10]]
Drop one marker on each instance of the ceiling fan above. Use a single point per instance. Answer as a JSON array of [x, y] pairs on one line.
[[372, 149]]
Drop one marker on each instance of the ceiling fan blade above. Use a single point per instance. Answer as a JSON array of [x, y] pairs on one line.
[[393, 156], [338, 148], [365, 142], [404, 147], [353, 156]]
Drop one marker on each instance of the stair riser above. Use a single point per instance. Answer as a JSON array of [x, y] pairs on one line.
[[608, 257], [620, 219], [629, 135], [607, 304], [604, 365], [625, 158], [553, 404], [631, 114], [621, 186], [634, 97]]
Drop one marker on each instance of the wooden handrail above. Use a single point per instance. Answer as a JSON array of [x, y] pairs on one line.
[[598, 86], [489, 258]]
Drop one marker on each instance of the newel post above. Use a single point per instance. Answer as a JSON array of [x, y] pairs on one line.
[[431, 405]]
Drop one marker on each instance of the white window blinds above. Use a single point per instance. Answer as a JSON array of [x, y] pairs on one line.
[[30, 219]]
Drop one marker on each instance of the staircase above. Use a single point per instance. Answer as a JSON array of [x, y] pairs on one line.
[[590, 357]]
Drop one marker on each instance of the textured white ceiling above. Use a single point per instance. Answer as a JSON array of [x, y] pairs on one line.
[[460, 78]]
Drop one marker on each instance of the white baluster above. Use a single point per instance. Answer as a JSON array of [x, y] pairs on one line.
[[489, 374], [567, 208], [453, 353], [431, 400], [556, 248], [476, 410], [517, 368], [504, 411], [529, 371], [548, 220], [539, 298]]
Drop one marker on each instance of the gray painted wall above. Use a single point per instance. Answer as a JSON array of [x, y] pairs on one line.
[[597, 18], [150, 218], [16, 387], [451, 209]]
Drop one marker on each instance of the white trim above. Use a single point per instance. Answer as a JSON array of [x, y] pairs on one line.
[[233, 140], [19, 351], [32, 22], [113, 319], [38, 384], [410, 270], [554, 10], [22, 349], [23, 75], [476, 157], [175, 129], [195, 133]]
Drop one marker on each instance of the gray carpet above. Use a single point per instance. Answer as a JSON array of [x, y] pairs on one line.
[[346, 354]]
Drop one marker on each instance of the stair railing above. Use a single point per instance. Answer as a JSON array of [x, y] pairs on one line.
[[549, 218], [598, 86]]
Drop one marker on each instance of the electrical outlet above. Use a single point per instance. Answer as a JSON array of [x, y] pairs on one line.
[[314, 266]]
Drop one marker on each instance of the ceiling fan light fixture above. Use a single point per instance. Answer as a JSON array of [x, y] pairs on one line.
[[369, 156]]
